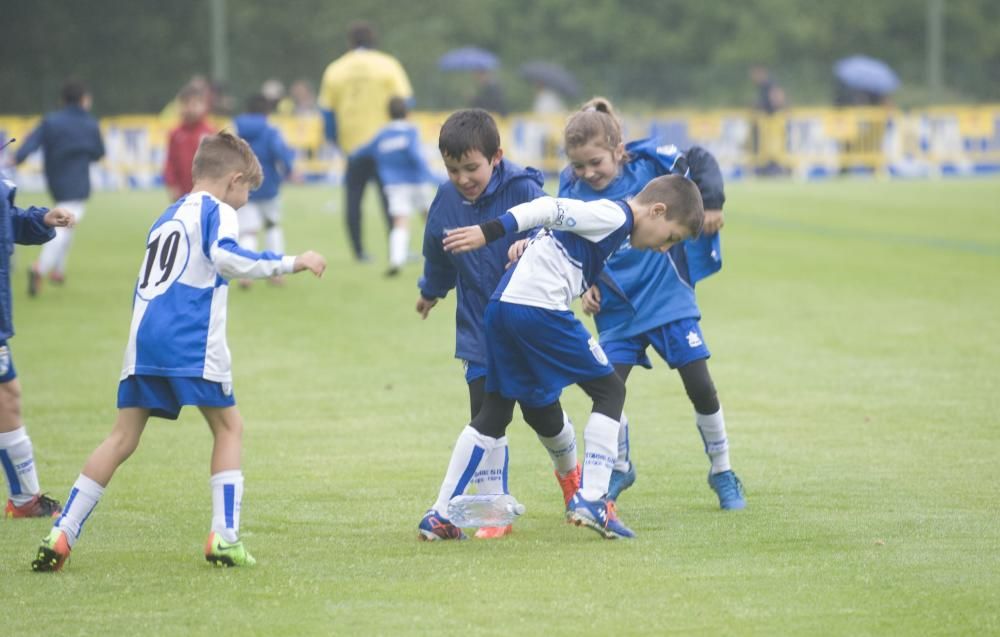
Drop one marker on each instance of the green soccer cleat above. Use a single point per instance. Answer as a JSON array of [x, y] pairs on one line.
[[53, 552], [222, 553]]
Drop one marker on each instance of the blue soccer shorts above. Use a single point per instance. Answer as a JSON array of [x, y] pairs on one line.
[[473, 371], [533, 353], [678, 343], [164, 396], [7, 371]]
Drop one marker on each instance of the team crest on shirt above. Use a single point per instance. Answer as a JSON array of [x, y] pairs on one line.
[[227, 389], [4, 360], [597, 351], [693, 339], [561, 218]]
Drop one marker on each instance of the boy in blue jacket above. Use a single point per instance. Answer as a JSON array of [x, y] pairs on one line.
[[263, 210], [70, 140], [481, 186], [406, 179], [30, 227]]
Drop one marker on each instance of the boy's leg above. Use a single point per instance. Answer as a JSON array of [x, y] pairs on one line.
[[224, 547], [359, 173], [556, 433], [17, 456], [274, 236], [601, 435], [623, 474], [53, 257], [399, 242]]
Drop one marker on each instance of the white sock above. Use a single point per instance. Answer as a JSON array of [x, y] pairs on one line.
[[53, 254], [713, 433], [227, 499], [18, 460], [248, 241], [470, 448], [275, 240], [562, 447], [622, 462], [600, 442], [399, 243], [83, 497], [491, 477]]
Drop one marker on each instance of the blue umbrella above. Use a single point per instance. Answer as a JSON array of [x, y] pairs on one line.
[[468, 58], [863, 73], [552, 75]]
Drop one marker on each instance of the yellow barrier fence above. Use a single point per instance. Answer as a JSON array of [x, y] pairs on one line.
[[806, 143]]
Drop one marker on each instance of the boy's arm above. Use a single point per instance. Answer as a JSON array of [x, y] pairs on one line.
[[31, 144], [29, 226], [234, 262], [592, 220], [439, 275]]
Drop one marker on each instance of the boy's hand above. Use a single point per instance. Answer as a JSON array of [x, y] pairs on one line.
[[59, 218], [312, 261], [464, 239], [591, 301], [714, 220], [515, 251], [424, 306]]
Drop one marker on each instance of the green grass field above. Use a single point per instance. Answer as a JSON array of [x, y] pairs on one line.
[[856, 338]]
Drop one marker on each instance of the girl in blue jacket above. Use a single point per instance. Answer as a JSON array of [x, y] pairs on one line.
[[647, 299]]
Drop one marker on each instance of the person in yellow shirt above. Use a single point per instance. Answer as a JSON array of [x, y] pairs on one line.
[[352, 96]]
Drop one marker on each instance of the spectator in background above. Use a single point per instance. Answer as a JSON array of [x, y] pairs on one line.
[[303, 98], [184, 139], [770, 96], [273, 90], [353, 94], [70, 139], [547, 101], [489, 95], [770, 99]]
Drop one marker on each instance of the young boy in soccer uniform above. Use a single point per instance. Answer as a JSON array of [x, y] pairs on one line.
[[406, 179], [644, 299], [263, 210], [482, 186], [70, 140], [17, 458], [536, 346], [177, 353]]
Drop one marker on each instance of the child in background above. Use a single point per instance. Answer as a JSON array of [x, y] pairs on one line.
[[647, 299], [483, 185], [177, 353], [184, 139], [406, 179], [70, 139], [535, 345], [263, 210], [28, 227]]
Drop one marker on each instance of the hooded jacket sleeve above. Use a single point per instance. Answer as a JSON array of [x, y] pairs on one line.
[[706, 173]]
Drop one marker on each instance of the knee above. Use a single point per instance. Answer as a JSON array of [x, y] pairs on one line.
[[546, 421], [10, 406]]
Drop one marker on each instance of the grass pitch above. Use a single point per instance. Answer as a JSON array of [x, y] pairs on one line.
[[854, 329]]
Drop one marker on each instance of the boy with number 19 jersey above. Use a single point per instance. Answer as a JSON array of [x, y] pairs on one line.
[[179, 310], [177, 353]]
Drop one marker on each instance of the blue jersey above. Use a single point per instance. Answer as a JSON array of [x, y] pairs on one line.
[[397, 154], [179, 308], [16, 226], [640, 289], [269, 146], [474, 274], [567, 254]]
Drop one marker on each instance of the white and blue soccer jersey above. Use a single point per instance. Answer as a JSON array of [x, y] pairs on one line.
[[565, 257], [179, 309]]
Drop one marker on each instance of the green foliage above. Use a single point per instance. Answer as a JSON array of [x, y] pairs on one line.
[[654, 53], [854, 337]]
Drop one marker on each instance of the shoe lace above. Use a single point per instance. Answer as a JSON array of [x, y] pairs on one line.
[[612, 509], [729, 487]]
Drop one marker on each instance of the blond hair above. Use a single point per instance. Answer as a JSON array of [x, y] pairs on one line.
[[682, 198], [221, 155], [596, 120]]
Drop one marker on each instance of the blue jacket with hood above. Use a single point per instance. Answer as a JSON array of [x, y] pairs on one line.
[[475, 274], [70, 139], [274, 155], [16, 226]]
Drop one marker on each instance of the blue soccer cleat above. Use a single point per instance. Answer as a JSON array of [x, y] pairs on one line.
[[435, 527], [594, 515], [621, 480], [729, 489]]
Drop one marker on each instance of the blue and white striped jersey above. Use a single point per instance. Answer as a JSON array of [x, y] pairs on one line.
[[564, 258], [179, 309]]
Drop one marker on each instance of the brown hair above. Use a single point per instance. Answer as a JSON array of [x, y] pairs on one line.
[[223, 154], [596, 119], [682, 198]]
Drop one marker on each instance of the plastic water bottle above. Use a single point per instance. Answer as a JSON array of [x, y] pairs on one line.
[[484, 510]]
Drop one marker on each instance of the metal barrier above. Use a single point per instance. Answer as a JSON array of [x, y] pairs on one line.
[[806, 143]]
